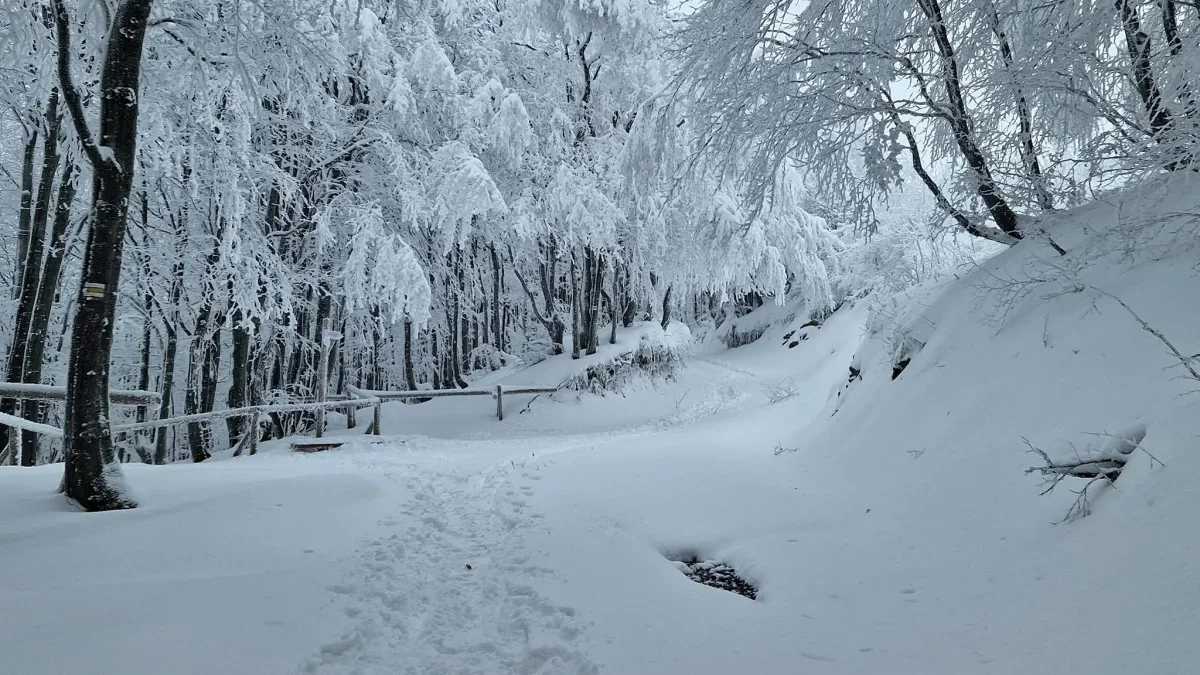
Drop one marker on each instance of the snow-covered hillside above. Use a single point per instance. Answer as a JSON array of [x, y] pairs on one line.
[[889, 524]]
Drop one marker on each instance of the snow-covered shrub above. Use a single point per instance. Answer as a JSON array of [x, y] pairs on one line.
[[486, 358], [658, 355], [734, 338], [899, 323], [782, 390], [749, 327]]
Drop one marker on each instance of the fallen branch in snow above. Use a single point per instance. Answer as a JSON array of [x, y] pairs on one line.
[[679, 401], [1187, 361], [1103, 465], [780, 449], [782, 390]]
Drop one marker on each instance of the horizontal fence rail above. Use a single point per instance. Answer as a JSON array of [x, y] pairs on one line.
[[497, 392], [36, 427], [46, 392], [240, 412], [353, 399]]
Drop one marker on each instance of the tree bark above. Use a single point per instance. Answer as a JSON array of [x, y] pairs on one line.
[[31, 268], [960, 124], [497, 315], [35, 348], [1029, 156], [613, 307], [410, 376], [25, 215], [1137, 43], [576, 328], [92, 477], [666, 307], [239, 388]]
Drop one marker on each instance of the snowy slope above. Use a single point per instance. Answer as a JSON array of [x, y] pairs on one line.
[[889, 524]]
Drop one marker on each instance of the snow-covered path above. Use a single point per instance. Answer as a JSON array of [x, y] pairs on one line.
[[900, 536], [450, 589], [453, 584]]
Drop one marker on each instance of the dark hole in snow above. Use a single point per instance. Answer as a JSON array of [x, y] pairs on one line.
[[899, 368], [314, 446], [791, 346], [715, 574]]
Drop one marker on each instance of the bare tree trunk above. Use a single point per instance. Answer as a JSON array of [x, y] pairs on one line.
[[960, 124], [168, 382], [548, 271], [239, 388], [1029, 157], [25, 215], [497, 314], [1170, 23], [171, 323], [613, 306], [31, 267], [410, 376], [1137, 43], [575, 327], [92, 477], [630, 313], [35, 348], [666, 308]]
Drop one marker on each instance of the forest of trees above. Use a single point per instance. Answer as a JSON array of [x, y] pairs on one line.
[[458, 185]]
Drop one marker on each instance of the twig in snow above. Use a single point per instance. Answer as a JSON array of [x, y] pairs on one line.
[[679, 401], [1186, 361]]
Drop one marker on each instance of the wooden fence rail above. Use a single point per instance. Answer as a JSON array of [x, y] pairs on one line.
[[354, 398], [497, 392], [46, 392]]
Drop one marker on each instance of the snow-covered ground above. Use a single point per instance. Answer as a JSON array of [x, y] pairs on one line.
[[889, 524]]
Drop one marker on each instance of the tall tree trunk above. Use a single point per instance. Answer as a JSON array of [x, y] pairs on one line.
[[576, 328], [613, 309], [168, 385], [410, 378], [549, 281], [35, 347], [92, 477], [204, 357], [199, 437], [31, 267], [239, 388], [497, 316], [1137, 43], [666, 308], [960, 123], [1170, 23], [25, 214], [1029, 156]]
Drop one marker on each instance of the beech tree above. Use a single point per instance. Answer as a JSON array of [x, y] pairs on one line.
[[92, 476]]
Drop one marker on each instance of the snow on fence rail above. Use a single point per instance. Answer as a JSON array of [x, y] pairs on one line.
[[46, 392], [497, 393], [354, 399]]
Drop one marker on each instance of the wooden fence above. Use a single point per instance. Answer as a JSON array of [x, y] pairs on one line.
[[354, 399]]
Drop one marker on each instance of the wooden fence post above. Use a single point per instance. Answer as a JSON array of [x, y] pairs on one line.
[[500, 402], [351, 418], [375, 422], [17, 438], [253, 431], [323, 373]]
